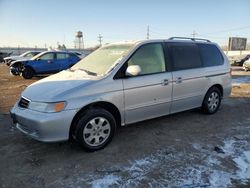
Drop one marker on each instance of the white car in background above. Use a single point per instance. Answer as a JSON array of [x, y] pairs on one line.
[[246, 65], [25, 56]]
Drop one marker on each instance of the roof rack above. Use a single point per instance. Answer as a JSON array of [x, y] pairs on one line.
[[187, 38]]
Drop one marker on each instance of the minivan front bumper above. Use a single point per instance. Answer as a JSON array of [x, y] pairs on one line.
[[45, 127]]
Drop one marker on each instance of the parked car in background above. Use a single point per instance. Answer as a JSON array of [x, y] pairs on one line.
[[3, 55], [246, 65], [238, 60], [44, 63], [25, 56], [124, 83]]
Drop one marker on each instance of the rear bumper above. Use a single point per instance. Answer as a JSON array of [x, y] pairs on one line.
[[45, 127]]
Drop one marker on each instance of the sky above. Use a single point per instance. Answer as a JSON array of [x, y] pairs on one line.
[[30, 23]]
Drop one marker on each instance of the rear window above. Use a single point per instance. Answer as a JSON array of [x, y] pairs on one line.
[[210, 55], [185, 56]]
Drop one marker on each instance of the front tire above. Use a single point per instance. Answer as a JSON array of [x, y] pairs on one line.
[[95, 129], [212, 101], [27, 73]]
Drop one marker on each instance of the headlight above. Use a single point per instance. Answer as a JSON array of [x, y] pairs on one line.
[[47, 107]]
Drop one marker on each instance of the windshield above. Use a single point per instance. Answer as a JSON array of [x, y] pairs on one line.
[[25, 54], [103, 60], [37, 55]]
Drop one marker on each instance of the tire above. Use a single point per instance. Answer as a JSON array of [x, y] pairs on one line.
[[13, 73], [27, 73], [95, 129], [212, 101], [15, 69]]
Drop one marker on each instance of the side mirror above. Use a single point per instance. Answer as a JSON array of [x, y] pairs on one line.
[[133, 70], [38, 59]]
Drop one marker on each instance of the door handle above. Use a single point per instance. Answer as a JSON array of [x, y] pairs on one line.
[[164, 82], [178, 80]]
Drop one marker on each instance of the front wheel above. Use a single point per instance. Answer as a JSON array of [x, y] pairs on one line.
[[27, 73], [212, 101], [95, 129]]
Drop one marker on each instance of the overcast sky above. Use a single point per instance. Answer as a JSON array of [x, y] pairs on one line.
[[47, 22]]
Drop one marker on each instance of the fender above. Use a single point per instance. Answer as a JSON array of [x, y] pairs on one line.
[[16, 63]]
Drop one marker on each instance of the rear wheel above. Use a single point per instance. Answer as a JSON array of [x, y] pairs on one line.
[[95, 129], [27, 73], [212, 101]]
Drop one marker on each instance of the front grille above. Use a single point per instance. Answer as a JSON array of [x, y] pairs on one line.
[[23, 103]]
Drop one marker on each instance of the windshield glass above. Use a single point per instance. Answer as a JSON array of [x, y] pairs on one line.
[[38, 55], [25, 54], [103, 60]]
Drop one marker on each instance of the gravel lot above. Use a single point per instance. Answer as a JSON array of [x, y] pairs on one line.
[[187, 149]]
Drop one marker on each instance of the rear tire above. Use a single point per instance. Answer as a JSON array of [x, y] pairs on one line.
[[27, 73], [95, 129], [212, 101]]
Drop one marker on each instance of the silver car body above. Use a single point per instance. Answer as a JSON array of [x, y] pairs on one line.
[[135, 98]]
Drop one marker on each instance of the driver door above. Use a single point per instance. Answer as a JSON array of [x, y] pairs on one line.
[[148, 94], [46, 63]]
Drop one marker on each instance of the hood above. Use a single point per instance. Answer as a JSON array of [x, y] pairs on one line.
[[56, 87], [15, 58], [19, 60]]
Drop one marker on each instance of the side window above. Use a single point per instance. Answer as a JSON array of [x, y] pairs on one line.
[[210, 55], [62, 56], [185, 56], [150, 58], [48, 56], [29, 55]]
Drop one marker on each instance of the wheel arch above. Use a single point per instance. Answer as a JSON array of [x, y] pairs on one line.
[[219, 86], [101, 104], [29, 66], [15, 64]]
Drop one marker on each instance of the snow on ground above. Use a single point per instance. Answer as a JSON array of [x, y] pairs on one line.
[[240, 80], [199, 166], [158, 170], [106, 181], [243, 163]]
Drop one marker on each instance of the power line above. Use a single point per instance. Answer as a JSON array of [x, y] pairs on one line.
[[233, 29]]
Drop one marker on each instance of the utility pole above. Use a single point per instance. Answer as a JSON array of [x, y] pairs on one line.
[[148, 32], [194, 34], [100, 39]]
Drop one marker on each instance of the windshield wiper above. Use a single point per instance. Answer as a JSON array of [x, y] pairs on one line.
[[87, 71]]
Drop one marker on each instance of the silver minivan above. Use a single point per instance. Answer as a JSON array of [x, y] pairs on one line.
[[120, 84]]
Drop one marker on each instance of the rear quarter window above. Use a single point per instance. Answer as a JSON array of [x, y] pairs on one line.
[[210, 55]]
